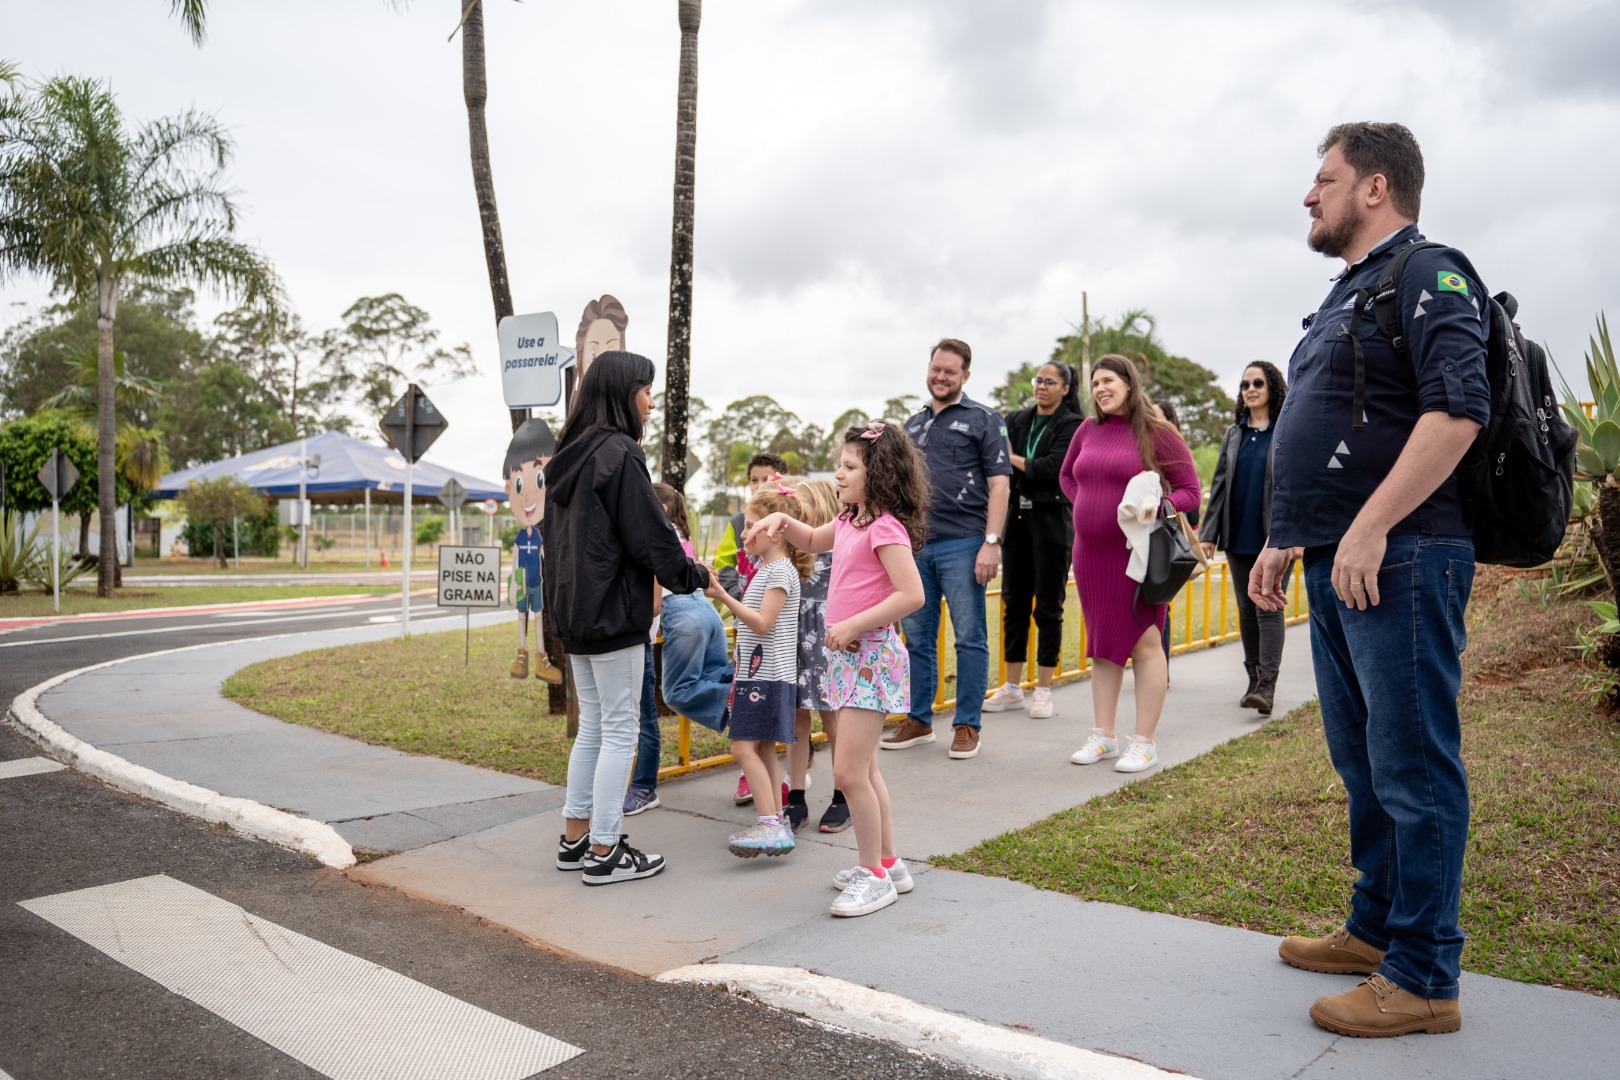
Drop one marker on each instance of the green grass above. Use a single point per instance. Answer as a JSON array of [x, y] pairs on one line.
[[434, 704], [1252, 834], [80, 597]]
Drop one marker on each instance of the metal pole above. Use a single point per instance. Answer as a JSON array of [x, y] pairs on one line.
[[466, 652], [406, 542], [303, 507], [1085, 345], [56, 555], [368, 528]]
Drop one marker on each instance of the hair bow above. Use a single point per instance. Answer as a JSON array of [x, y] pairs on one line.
[[874, 428], [783, 489]]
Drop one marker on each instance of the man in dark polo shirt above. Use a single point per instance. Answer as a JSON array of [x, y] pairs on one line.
[[1389, 563], [966, 447]]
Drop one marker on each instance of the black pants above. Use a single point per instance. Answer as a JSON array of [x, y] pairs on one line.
[[1262, 631], [1039, 544]]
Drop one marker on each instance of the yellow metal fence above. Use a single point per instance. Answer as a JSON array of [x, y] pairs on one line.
[[1205, 605]]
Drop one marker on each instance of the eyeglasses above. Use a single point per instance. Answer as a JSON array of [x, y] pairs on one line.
[[1039, 383], [1252, 384]]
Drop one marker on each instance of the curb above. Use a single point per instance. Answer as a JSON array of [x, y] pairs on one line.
[[29, 622], [313, 838], [895, 1019]]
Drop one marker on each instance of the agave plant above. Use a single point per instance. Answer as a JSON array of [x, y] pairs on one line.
[[1597, 459], [18, 551], [68, 567]]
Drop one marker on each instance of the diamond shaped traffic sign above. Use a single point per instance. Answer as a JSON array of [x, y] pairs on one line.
[[412, 423], [452, 494], [58, 474]]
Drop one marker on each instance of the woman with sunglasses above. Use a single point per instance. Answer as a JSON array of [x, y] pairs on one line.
[[1038, 539], [1239, 518]]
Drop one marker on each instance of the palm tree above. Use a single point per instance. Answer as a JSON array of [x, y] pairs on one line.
[[96, 206], [690, 13]]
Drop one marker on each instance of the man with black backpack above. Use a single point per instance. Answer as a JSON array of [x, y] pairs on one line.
[[1366, 480]]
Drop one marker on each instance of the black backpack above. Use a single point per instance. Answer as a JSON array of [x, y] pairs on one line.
[[1517, 480]]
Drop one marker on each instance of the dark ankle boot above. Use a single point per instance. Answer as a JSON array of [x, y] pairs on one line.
[[1254, 677], [1265, 692]]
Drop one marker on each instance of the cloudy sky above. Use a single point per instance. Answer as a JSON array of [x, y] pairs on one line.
[[874, 175]]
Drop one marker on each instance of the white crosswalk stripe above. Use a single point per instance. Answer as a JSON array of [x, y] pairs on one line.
[[28, 766], [344, 1017]]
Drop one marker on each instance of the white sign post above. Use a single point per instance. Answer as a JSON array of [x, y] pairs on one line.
[[469, 577], [533, 360]]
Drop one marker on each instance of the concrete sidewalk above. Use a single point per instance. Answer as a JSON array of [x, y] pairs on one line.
[[1211, 1001]]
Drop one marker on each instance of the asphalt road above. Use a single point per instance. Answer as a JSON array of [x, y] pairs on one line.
[[68, 1010]]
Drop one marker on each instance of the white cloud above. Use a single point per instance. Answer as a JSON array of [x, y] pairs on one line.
[[872, 177]]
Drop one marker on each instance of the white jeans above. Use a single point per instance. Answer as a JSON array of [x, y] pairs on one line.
[[609, 689]]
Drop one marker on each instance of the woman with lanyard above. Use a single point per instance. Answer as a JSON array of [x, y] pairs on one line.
[[1239, 519], [1039, 537]]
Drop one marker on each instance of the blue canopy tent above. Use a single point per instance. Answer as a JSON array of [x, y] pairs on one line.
[[350, 472]]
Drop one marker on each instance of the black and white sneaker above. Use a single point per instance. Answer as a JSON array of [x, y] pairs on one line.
[[623, 863], [572, 856]]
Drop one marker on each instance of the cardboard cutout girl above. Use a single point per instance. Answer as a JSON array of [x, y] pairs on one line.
[[532, 444]]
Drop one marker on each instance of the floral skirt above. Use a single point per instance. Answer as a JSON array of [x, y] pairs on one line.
[[876, 676]]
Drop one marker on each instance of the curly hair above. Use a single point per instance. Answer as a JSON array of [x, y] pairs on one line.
[[896, 479], [768, 500], [1276, 390]]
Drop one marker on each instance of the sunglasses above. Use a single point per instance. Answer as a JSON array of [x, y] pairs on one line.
[[1252, 384], [1046, 382]]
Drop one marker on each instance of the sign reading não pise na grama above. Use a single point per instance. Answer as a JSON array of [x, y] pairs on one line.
[[469, 577]]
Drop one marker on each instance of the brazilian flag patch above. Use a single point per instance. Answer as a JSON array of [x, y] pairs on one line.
[[1451, 281]]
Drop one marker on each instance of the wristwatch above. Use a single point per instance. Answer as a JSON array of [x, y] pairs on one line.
[[992, 538]]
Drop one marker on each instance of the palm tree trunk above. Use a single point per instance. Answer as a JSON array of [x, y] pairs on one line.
[[1605, 530], [106, 444], [678, 368], [475, 92]]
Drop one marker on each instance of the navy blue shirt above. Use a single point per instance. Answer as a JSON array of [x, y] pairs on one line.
[[1249, 491], [965, 443], [1323, 472]]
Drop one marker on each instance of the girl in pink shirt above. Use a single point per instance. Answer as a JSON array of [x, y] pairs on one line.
[[883, 486]]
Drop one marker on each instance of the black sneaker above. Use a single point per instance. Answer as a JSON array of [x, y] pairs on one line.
[[623, 863], [836, 816], [572, 856], [797, 811]]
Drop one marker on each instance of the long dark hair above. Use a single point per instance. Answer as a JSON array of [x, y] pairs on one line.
[[1141, 414], [896, 478], [1276, 390], [1071, 381], [607, 397], [675, 506]]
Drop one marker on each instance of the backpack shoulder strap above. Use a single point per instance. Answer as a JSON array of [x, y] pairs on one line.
[[1386, 314]]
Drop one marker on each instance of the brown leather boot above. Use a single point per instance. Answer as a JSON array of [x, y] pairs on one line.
[[1254, 677], [1340, 953], [544, 670], [1264, 693], [520, 666], [1378, 1008]]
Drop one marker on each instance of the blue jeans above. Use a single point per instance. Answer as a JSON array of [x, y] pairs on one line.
[[650, 741], [1388, 679], [946, 567], [599, 765], [697, 665]]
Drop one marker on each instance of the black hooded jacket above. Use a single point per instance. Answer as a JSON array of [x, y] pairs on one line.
[[606, 538]]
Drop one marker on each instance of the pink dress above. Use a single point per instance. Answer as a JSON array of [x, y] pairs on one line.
[[1101, 461]]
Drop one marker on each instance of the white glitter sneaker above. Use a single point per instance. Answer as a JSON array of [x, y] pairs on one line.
[[865, 894], [903, 881]]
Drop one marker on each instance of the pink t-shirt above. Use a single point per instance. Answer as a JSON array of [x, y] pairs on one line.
[[859, 580]]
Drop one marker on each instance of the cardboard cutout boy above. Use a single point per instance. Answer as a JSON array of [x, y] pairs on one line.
[[532, 444]]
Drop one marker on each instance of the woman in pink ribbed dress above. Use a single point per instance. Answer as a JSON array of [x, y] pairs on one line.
[[1126, 436]]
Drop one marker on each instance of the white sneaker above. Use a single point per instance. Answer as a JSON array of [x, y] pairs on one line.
[[903, 881], [1040, 704], [865, 893], [1007, 696], [1097, 747], [1141, 755]]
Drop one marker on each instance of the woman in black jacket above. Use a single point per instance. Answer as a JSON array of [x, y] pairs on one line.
[[606, 537], [1239, 518], [1039, 539]]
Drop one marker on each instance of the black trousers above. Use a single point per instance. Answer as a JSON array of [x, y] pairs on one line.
[[1038, 546], [1262, 631]]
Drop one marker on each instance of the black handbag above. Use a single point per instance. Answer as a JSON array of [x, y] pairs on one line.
[[1171, 559]]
